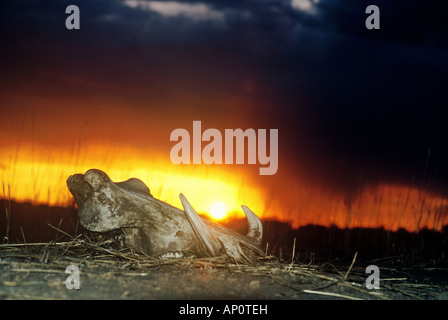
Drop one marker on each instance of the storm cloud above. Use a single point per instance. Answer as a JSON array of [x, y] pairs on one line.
[[348, 102]]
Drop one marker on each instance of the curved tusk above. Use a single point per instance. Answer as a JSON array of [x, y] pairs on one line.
[[255, 227], [211, 244]]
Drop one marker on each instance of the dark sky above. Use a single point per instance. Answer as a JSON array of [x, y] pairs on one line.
[[350, 104]]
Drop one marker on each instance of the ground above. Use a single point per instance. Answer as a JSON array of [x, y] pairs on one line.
[[38, 271]]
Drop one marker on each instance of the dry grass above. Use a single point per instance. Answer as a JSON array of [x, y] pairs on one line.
[[327, 280], [7, 211]]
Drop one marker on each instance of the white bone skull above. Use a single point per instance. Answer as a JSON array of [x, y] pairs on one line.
[[154, 227]]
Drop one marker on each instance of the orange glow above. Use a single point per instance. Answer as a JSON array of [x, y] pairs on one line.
[[40, 177], [43, 181], [218, 211], [391, 206]]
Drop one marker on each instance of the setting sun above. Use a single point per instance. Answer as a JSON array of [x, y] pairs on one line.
[[218, 210]]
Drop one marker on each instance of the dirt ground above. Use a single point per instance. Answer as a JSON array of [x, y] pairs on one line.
[[38, 271]]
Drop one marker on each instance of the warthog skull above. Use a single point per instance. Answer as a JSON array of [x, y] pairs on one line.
[[154, 227]]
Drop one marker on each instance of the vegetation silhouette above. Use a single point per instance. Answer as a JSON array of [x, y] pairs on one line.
[[313, 243]]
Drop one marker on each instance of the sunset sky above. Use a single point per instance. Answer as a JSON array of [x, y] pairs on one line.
[[361, 114]]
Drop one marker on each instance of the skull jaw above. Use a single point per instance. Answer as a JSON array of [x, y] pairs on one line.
[[160, 246]]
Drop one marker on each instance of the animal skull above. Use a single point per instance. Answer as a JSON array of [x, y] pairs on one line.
[[154, 227]]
